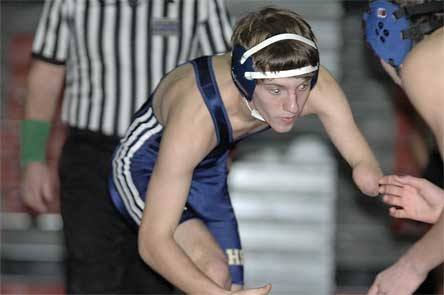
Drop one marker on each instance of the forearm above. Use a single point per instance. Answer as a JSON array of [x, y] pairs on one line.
[[357, 153], [360, 153], [337, 118], [428, 252], [168, 259], [45, 82]]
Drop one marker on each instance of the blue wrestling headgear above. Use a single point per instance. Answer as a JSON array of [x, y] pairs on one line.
[[244, 74], [390, 32]]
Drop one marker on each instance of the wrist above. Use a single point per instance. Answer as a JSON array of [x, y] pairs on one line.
[[34, 135], [414, 265]]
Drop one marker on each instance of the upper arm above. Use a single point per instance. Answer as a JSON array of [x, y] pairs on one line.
[[330, 104], [187, 138]]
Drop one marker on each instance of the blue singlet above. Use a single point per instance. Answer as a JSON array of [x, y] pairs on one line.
[[208, 198]]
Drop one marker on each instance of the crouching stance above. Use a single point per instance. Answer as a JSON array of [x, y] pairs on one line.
[[170, 171]]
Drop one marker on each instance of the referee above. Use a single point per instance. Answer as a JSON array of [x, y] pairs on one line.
[[107, 56]]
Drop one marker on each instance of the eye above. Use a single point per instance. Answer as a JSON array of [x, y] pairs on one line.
[[303, 86], [275, 91]]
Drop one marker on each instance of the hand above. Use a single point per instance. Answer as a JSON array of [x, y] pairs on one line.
[[38, 188], [399, 279], [413, 198], [255, 291], [366, 177]]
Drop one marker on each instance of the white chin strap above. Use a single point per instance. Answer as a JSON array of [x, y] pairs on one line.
[[255, 114], [278, 74]]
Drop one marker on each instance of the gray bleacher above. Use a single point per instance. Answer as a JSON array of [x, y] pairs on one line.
[[284, 201]]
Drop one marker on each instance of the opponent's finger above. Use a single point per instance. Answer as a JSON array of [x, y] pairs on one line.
[[410, 180], [390, 179], [390, 189], [398, 213], [392, 200]]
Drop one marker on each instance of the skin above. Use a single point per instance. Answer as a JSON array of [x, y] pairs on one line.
[[187, 254], [412, 197], [39, 181], [421, 78], [169, 247]]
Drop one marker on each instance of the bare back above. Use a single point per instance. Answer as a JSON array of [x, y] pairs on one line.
[[422, 77]]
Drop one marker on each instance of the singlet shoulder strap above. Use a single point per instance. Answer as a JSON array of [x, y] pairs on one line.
[[206, 81]]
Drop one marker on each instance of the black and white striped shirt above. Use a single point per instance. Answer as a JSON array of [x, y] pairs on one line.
[[116, 51]]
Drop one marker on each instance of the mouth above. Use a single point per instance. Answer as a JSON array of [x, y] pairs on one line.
[[288, 119]]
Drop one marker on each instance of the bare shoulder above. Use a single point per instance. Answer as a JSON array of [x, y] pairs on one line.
[[173, 89], [426, 61], [422, 74], [183, 112], [325, 95]]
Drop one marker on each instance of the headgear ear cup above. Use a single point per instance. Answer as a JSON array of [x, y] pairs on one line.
[[238, 71], [383, 31], [314, 79]]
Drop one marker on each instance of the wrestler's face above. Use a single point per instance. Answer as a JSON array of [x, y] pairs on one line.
[[281, 101]]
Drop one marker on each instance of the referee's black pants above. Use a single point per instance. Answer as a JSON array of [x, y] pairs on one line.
[[102, 255]]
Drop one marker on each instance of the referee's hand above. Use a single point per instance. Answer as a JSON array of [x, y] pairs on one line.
[[38, 188]]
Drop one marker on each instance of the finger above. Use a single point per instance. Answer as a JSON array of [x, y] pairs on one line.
[[266, 289], [398, 213], [410, 180], [392, 200], [47, 191], [390, 179], [34, 202], [390, 189], [373, 289]]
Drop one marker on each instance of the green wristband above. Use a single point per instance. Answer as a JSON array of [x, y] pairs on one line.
[[34, 135]]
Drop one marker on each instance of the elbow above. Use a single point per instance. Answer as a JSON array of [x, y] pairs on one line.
[[146, 245], [152, 243]]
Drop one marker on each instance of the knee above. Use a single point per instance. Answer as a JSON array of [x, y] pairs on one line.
[[217, 269]]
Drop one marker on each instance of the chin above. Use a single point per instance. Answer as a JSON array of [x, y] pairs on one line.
[[282, 128]]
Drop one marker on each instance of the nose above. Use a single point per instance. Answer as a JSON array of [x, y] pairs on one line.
[[291, 104]]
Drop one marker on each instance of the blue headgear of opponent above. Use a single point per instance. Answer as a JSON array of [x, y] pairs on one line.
[[244, 74], [389, 31]]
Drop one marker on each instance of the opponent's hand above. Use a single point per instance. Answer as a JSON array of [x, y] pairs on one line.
[[254, 291], [37, 188], [366, 177], [399, 279], [412, 197]]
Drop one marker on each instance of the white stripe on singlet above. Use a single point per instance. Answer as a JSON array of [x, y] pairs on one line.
[[140, 131]]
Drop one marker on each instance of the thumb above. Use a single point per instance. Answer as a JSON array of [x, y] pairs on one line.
[[266, 289], [47, 191]]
